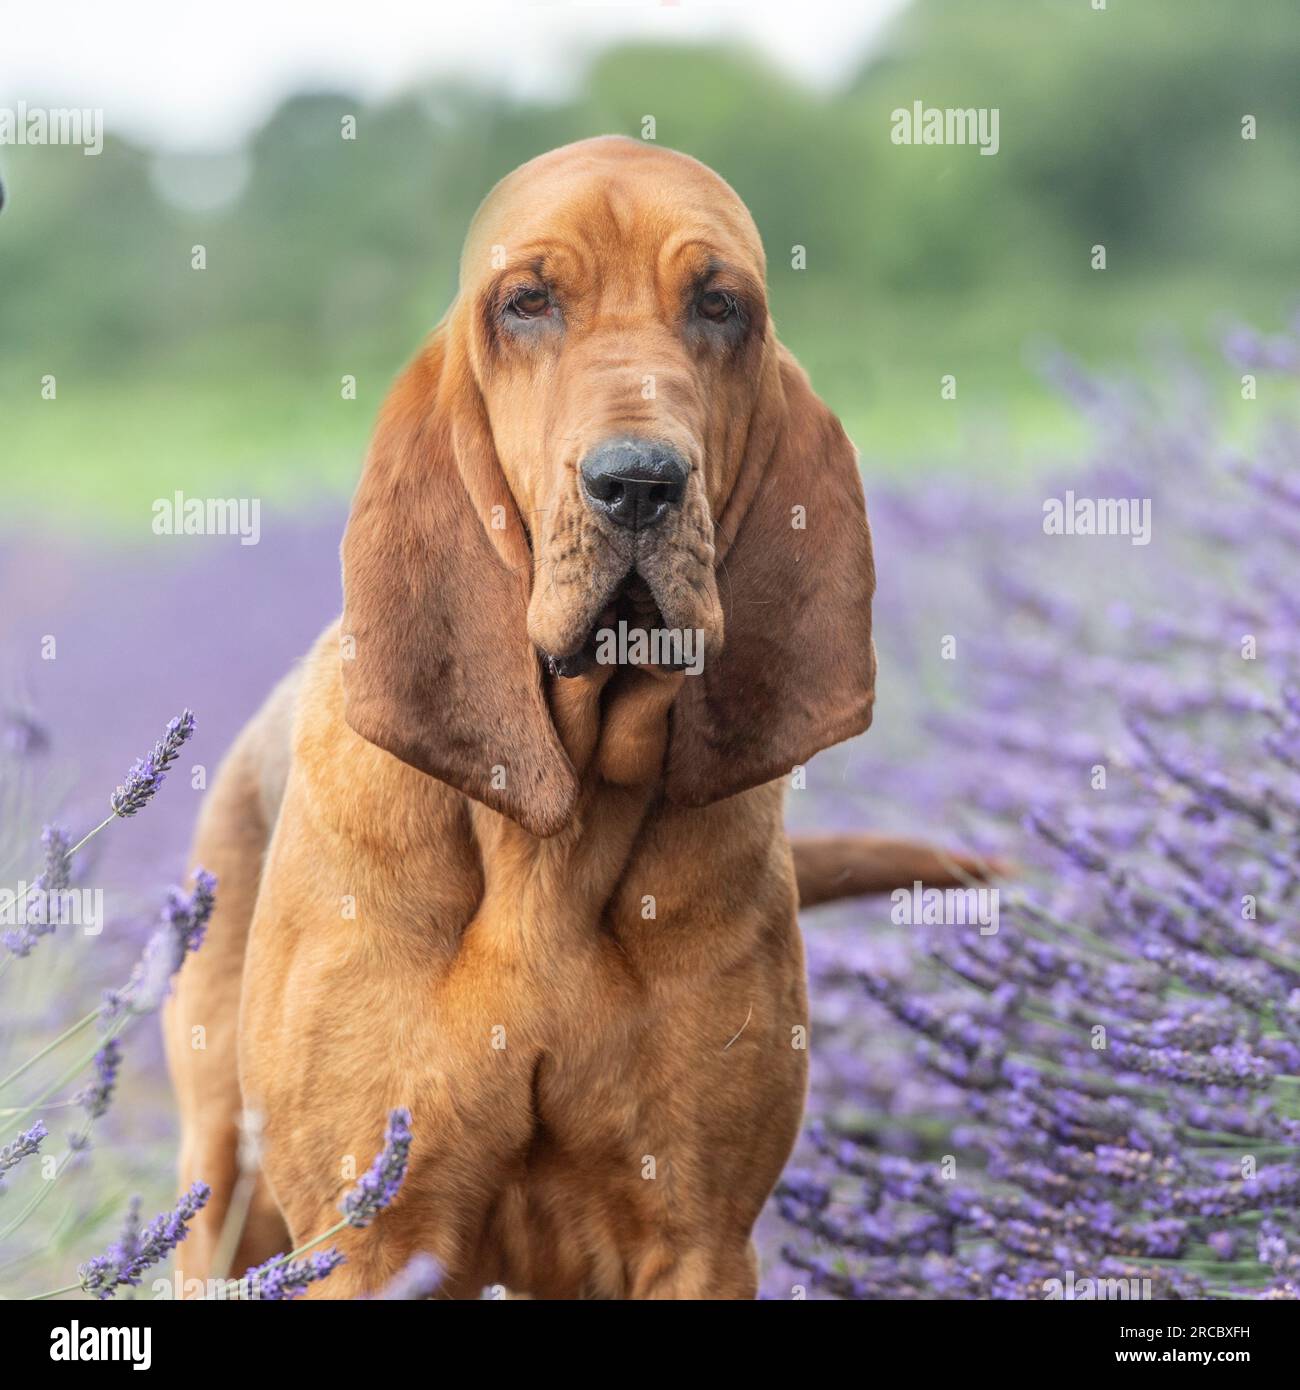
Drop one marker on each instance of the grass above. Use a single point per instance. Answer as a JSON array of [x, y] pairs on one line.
[[214, 425]]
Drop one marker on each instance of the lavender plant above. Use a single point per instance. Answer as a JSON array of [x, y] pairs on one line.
[[27, 1143], [126, 1259], [1107, 1087], [287, 1276], [380, 1184], [282, 1279], [181, 930], [184, 921]]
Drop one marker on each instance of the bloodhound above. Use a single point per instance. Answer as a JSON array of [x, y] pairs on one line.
[[477, 860]]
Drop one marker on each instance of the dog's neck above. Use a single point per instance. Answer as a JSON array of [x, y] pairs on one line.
[[613, 723], [631, 872], [437, 859]]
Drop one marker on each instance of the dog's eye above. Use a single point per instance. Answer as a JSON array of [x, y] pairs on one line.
[[716, 306], [529, 304]]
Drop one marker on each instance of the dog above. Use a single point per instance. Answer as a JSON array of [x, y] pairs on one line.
[[545, 900]]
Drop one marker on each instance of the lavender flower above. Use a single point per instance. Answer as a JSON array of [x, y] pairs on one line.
[[21, 734], [279, 1279], [130, 1238], [184, 923], [128, 1257], [58, 870], [148, 773], [1218, 1066], [40, 914], [377, 1187], [419, 1279], [27, 1143], [95, 1098], [22, 940]]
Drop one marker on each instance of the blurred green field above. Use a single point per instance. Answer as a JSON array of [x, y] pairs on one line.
[[334, 257]]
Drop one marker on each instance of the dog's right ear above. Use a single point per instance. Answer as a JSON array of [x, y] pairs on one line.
[[437, 665]]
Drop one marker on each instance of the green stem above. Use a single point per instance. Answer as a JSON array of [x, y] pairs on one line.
[[7, 1110], [302, 1249], [1034, 910], [53, 1293], [81, 843], [1223, 1266], [90, 835], [48, 1187], [241, 1200], [75, 1070], [312, 1244], [1264, 952], [49, 1047]]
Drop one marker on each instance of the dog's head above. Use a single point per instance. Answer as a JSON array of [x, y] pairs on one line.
[[605, 440]]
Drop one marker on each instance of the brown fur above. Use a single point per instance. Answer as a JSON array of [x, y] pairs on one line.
[[437, 865]]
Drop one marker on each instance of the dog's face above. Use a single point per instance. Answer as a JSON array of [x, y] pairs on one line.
[[618, 313], [605, 428]]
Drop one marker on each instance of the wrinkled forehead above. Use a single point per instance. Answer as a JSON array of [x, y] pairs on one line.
[[610, 200]]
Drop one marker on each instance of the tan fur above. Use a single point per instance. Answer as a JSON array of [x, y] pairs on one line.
[[555, 918]]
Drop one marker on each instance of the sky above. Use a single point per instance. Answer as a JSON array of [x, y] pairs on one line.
[[186, 76]]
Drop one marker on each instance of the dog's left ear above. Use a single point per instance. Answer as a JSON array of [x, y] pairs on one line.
[[797, 668]]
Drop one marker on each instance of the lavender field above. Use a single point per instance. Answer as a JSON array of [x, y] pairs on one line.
[[1105, 1087]]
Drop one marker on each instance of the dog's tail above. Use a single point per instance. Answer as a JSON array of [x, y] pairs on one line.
[[829, 867]]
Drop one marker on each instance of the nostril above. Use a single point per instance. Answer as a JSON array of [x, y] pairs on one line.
[[667, 493]]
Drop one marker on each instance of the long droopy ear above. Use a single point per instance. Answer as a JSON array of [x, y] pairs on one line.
[[437, 665], [797, 669]]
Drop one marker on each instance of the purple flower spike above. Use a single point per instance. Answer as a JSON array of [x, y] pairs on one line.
[[97, 1097], [184, 923], [22, 940], [279, 1280], [21, 734], [420, 1279], [148, 773], [130, 1241], [28, 1142], [126, 1259], [42, 915], [380, 1185], [58, 869]]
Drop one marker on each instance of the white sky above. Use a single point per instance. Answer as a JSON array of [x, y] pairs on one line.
[[186, 75]]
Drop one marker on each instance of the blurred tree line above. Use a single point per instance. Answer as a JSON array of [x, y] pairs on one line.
[[1121, 127]]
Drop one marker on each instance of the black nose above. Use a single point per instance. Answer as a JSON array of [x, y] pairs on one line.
[[634, 482]]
